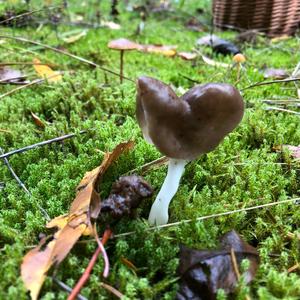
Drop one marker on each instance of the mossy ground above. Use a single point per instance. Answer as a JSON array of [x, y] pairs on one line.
[[243, 171]]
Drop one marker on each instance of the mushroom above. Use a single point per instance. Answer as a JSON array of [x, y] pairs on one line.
[[238, 60], [122, 45], [182, 128]]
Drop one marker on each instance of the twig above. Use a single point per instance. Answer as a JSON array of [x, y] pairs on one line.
[[28, 14], [112, 290], [30, 147], [157, 162], [25, 86], [283, 109], [293, 268], [213, 216], [5, 131], [236, 268], [85, 276], [269, 82], [86, 61], [234, 264], [67, 288], [25, 64], [22, 185]]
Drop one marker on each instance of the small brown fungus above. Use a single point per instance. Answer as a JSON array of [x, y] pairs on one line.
[[122, 45], [185, 127]]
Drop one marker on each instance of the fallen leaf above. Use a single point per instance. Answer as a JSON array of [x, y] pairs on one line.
[[38, 122], [160, 49], [295, 150], [280, 38], [46, 72], [187, 55], [275, 73], [111, 25], [214, 63], [203, 272], [74, 38], [8, 75], [126, 194], [71, 226]]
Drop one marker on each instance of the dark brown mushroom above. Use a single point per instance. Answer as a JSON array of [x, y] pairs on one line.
[[185, 127], [122, 45]]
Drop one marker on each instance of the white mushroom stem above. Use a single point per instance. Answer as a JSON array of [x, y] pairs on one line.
[[159, 210]]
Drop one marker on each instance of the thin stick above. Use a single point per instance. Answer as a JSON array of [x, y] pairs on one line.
[[25, 64], [213, 216], [67, 288], [293, 268], [30, 147], [85, 276], [283, 109], [157, 162], [234, 264], [22, 185], [86, 61], [236, 268], [112, 290], [27, 14], [25, 86], [269, 82]]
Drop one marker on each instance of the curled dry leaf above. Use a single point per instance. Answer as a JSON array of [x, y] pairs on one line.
[[187, 55], [203, 272], [295, 150], [46, 72], [214, 63], [8, 75], [160, 49], [38, 122], [275, 73], [75, 38], [71, 226], [126, 194]]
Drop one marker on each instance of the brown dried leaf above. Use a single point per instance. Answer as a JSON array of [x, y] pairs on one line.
[[203, 272], [38, 261], [38, 122]]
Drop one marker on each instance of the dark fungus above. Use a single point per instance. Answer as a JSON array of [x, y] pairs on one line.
[[185, 127]]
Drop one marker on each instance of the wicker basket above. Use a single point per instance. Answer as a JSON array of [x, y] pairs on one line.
[[274, 17]]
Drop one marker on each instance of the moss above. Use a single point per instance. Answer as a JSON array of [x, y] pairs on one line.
[[243, 171]]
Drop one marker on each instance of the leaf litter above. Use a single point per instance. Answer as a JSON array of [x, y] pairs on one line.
[[84, 208], [203, 272]]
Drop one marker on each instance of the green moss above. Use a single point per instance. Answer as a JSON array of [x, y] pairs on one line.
[[243, 171]]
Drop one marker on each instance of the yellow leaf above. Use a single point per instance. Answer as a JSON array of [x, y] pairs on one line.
[[46, 72]]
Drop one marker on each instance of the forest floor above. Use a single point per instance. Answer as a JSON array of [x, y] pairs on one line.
[[250, 167]]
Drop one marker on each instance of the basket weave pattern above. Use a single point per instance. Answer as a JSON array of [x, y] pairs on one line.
[[274, 17]]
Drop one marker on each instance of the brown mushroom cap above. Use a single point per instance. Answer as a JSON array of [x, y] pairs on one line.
[[187, 126], [123, 44]]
